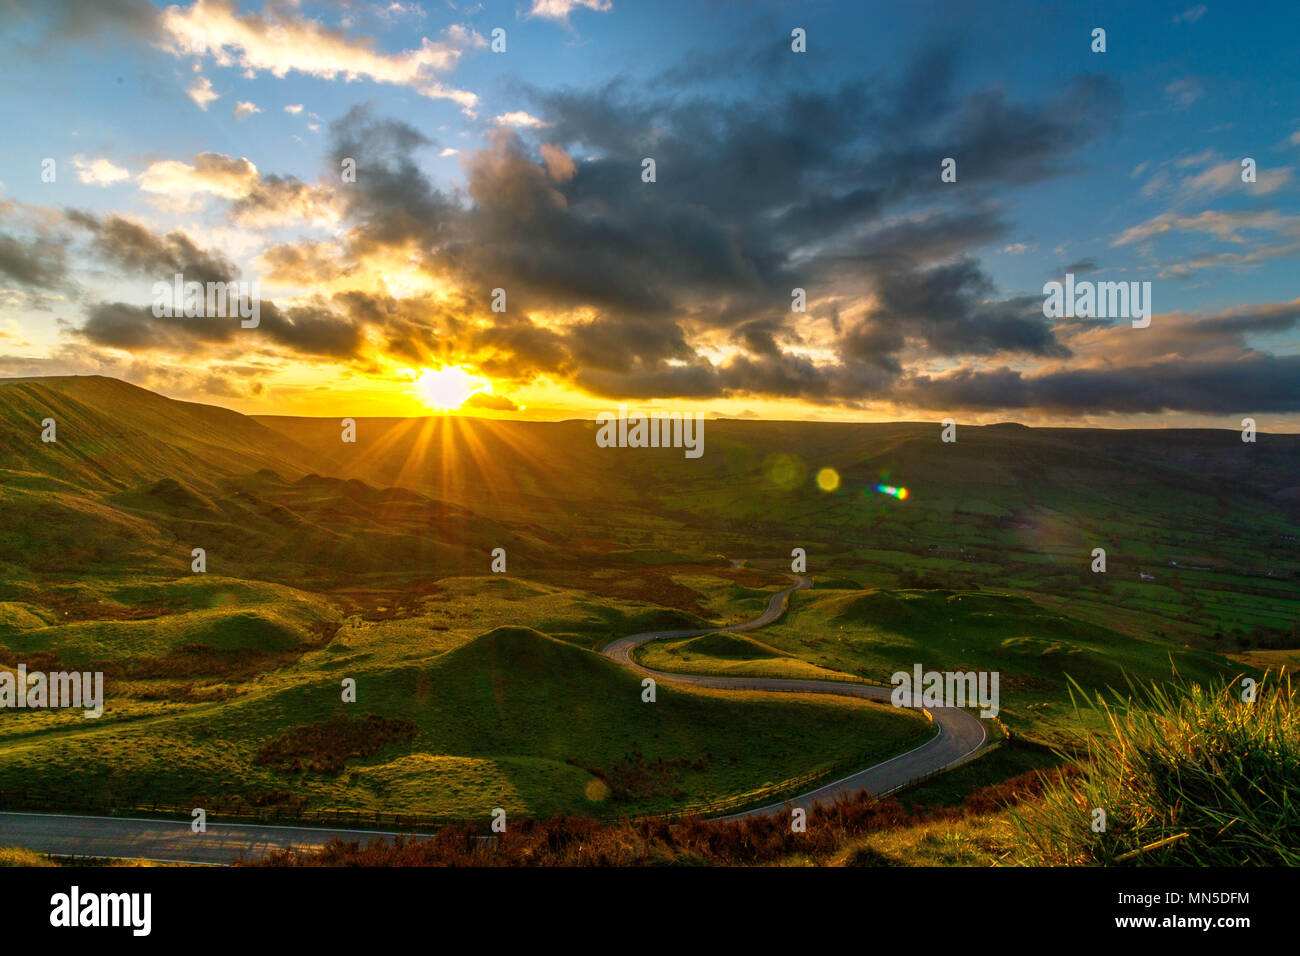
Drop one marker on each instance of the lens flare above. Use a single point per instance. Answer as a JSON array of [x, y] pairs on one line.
[[893, 492], [828, 479]]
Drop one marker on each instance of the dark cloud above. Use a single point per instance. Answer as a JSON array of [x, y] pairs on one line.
[[1258, 319], [392, 201], [276, 199], [751, 200], [73, 21], [314, 329], [1255, 383], [39, 263], [947, 307], [138, 251], [835, 190]]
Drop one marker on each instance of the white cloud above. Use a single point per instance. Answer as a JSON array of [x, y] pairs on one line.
[[295, 109], [521, 119], [213, 173], [245, 109], [1191, 14], [449, 152], [99, 172], [280, 44], [560, 9], [201, 93]]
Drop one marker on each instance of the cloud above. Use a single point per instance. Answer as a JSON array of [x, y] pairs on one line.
[[560, 9], [40, 263], [245, 109], [520, 118], [1218, 179], [682, 287], [201, 92], [99, 172], [495, 402], [1191, 14], [1183, 93], [558, 163], [294, 108], [1254, 383], [1226, 226], [277, 200], [279, 43], [137, 250], [312, 329], [213, 173], [1208, 174]]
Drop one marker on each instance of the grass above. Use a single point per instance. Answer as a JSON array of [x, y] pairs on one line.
[[513, 718], [1188, 775], [874, 632], [980, 841], [17, 856], [730, 655]]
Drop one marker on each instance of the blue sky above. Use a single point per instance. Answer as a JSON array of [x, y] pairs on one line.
[[777, 168]]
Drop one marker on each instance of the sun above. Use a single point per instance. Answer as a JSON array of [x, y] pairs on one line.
[[448, 388]]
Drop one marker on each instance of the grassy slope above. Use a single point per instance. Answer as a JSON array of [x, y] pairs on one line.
[[497, 719], [874, 633]]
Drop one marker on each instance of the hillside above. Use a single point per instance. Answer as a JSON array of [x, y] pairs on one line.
[[113, 436], [135, 481]]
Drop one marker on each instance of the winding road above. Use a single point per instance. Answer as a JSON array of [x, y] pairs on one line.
[[959, 736]]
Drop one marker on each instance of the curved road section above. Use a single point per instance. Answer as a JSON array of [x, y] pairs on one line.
[[960, 733]]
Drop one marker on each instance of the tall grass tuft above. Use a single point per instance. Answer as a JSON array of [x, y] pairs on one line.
[[1187, 776]]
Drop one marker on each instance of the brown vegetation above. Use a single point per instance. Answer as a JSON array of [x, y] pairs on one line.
[[325, 746], [582, 841]]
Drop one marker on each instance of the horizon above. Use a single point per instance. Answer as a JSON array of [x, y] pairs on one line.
[[458, 414]]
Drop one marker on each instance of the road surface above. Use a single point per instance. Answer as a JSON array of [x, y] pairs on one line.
[[165, 841], [960, 733]]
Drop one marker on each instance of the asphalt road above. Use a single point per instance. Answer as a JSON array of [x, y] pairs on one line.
[[960, 734], [159, 840]]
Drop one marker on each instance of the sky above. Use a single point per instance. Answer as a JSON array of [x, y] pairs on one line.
[[377, 171]]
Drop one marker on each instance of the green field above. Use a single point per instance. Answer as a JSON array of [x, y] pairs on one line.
[[511, 718]]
